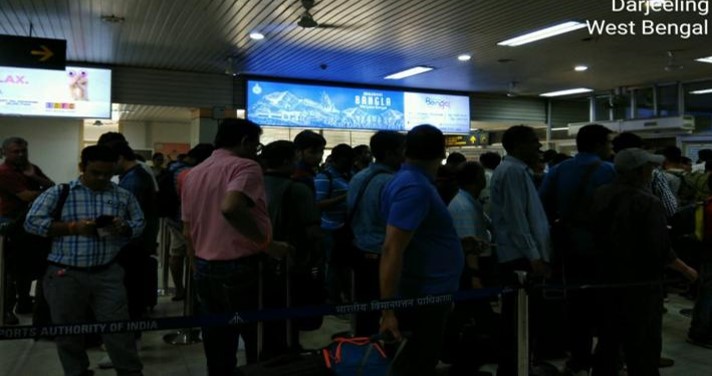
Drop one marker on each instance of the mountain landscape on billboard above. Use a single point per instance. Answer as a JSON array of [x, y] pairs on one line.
[[286, 108]]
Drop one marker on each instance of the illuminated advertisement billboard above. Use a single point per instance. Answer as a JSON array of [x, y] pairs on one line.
[[75, 92], [318, 106]]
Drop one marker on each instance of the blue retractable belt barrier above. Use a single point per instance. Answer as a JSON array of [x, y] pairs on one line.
[[170, 323]]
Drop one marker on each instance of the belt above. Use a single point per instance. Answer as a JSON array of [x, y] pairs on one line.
[[251, 259], [88, 269], [370, 256]]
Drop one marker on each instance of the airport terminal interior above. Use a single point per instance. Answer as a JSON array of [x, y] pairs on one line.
[[165, 75]]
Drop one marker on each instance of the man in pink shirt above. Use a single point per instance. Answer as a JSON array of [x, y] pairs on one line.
[[228, 231]]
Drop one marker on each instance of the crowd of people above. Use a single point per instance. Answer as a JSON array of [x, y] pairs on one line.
[[380, 221]]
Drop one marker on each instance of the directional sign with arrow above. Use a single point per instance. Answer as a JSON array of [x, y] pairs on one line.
[[475, 138], [33, 52], [45, 53]]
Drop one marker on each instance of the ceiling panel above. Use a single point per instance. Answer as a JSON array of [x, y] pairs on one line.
[[133, 112], [370, 39]]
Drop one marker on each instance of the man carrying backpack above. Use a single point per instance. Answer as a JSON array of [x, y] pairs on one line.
[[565, 192]]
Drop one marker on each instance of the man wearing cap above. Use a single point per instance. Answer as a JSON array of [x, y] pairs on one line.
[[632, 247]]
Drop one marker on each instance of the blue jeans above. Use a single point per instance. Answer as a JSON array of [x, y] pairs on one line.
[[701, 327], [227, 287]]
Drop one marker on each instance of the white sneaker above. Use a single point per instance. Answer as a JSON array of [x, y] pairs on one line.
[[105, 363]]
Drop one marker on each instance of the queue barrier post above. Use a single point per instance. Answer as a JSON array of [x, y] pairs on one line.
[[164, 255], [186, 336], [522, 325]]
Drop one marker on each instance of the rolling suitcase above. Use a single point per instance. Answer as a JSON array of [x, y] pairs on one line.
[[288, 363]]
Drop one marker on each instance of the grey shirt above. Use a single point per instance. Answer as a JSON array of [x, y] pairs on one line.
[[630, 231]]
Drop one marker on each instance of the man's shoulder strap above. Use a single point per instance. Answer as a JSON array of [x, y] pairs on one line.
[[63, 194], [362, 191]]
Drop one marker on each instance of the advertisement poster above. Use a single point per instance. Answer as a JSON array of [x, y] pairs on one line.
[[450, 113], [286, 104], [74, 92]]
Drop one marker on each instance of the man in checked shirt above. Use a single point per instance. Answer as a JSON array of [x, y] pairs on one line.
[[82, 273]]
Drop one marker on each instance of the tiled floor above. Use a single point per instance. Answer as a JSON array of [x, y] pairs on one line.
[[29, 358]]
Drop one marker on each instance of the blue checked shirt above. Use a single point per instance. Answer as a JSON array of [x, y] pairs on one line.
[[85, 204]]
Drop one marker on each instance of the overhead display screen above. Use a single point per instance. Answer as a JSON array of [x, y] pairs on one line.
[[314, 106], [74, 92]]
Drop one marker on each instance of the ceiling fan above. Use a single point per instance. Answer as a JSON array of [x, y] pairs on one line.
[[512, 90], [306, 21], [672, 64]]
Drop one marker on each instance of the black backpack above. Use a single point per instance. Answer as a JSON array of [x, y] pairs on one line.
[[167, 199]]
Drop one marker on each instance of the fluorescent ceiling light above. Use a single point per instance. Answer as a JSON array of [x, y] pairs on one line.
[[566, 92], [707, 59], [704, 91], [581, 68], [543, 33], [256, 35], [464, 57], [409, 72], [560, 129]]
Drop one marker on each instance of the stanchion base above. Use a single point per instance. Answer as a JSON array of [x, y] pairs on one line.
[[183, 337], [166, 291]]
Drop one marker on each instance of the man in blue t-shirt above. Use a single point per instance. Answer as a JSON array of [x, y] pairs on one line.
[[421, 254]]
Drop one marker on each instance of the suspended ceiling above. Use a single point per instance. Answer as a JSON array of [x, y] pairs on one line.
[[371, 39], [160, 114]]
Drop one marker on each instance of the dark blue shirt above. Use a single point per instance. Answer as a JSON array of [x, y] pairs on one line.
[[563, 180], [562, 183], [433, 260], [139, 182]]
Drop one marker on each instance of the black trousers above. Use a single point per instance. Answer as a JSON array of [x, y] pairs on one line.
[[366, 288], [421, 353], [582, 310], [25, 261], [631, 319]]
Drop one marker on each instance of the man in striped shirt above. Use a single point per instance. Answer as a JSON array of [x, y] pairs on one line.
[[82, 273]]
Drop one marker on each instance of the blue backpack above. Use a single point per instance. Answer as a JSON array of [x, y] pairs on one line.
[[358, 356]]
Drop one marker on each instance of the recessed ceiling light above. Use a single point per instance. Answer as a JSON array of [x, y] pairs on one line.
[[112, 19], [581, 68], [566, 92], [707, 59], [543, 33], [699, 92], [409, 72], [256, 35], [464, 57]]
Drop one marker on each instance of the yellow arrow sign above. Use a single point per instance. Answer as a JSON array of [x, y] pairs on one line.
[[473, 139], [46, 53]]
